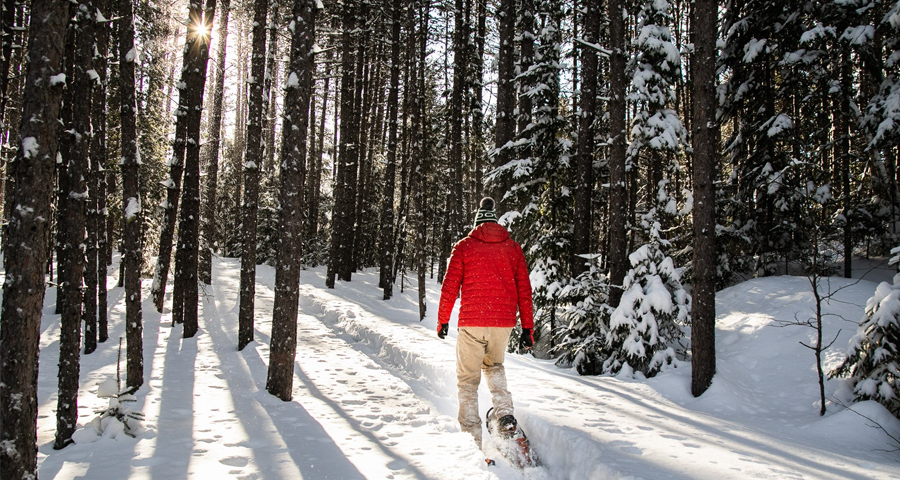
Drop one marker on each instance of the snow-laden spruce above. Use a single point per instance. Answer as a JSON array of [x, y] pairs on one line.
[[873, 356], [646, 326], [586, 311]]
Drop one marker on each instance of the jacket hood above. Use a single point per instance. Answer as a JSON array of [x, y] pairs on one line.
[[490, 232]]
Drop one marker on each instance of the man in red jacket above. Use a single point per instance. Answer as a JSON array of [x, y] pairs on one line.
[[489, 268]]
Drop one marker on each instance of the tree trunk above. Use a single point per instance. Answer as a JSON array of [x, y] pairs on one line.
[[584, 183], [390, 171], [23, 290], [211, 156], [314, 180], [131, 199], [618, 207], [7, 35], [176, 170], [344, 193], [269, 90], [65, 152], [252, 159], [71, 228], [283, 346], [843, 143], [97, 260], [99, 155], [185, 295], [419, 143], [705, 142], [505, 126]]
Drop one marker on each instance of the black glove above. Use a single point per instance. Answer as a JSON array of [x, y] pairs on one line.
[[442, 330], [526, 341]]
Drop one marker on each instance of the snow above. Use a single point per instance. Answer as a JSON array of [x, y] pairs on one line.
[[30, 147], [292, 82], [58, 79], [132, 207], [375, 396]]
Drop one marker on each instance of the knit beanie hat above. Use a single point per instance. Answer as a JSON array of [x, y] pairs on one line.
[[486, 212]]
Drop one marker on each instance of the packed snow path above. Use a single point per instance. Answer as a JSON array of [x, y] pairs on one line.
[[374, 398]]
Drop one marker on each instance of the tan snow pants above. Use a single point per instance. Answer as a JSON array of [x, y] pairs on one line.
[[481, 349]]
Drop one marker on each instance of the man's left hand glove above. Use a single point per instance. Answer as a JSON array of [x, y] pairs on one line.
[[442, 330], [526, 341]]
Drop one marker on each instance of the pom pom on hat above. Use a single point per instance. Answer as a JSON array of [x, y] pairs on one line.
[[485, 212]]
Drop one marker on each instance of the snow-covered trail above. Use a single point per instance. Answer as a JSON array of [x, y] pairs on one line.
[[375, 397], [593, 427], [209, 416]]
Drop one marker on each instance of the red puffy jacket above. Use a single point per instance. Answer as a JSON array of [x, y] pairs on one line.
[[490, 268]]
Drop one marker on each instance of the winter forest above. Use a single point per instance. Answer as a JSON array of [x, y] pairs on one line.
[[654, 158]]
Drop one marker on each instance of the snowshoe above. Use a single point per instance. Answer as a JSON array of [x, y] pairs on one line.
[[510, 441]]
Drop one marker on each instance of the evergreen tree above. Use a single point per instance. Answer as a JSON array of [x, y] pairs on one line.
[[293, 169], [212, 148], [23, 290], [873, 356], [72, 228], [647, 324], [704, 136], [253, 157]]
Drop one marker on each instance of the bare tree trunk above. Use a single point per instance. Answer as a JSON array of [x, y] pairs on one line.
[[97, 260], [185, 295], [72, 227], [283, 346], [505, 126], [211, 156], [29, 217], [269, 89], [176, 171], [418, 150], [344, 192], [390, 171], [705, 143], [584, 186], [618, 209], [252, 159], [314, 180]]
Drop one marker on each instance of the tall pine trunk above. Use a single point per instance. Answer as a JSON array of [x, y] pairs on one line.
[[185, 295], [252, 158], [705, 143], [505, 125], [98, 164], [618, 207], [71, 228], [29, 218], [390, 171], [344, 189], [211, 156], [131, 199], [283, 346], [314, 180], [584, 181]]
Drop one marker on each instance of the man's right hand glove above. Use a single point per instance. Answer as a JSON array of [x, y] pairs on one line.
[[442, 330], [526, 341]]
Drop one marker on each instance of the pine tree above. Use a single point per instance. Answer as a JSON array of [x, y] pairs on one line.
[[645, 327], [386, 239], [212, 148], [23, 290], [705, 142], [72, 228], [99, 154], [873, 356], [253, 156], [185, 294], [133, 215], [617, 152], [293, 159], [584, 186]]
